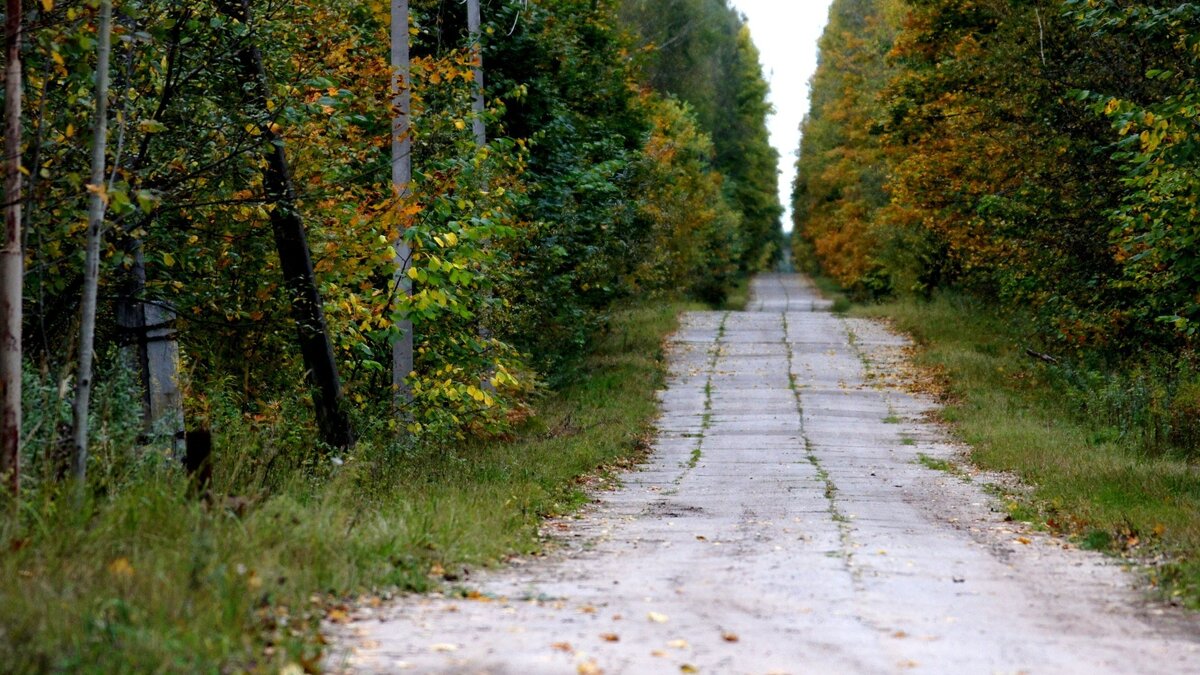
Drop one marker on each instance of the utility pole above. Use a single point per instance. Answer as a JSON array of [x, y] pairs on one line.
[[402, 349], [478, 106], [291, 242]]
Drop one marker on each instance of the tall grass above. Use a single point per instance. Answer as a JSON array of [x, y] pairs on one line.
[[148, 578]]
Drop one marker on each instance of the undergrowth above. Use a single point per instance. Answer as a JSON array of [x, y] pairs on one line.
[[152, 578]]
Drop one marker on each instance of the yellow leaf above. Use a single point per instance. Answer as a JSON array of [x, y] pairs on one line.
[[121, 567], [688, 668], [413, 274], [168, 259], [47, 5], [657, 618], [58, 59], [460, 125]]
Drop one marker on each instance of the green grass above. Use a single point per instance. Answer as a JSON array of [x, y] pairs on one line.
[[1090, 483], [738, 296], [152, 580]]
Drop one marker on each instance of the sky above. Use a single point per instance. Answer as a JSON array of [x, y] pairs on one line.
[[786, 32]]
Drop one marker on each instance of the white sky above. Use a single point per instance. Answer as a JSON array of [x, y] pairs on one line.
[[786, 32]]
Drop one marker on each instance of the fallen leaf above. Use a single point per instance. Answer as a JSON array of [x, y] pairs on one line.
[[121, 567], [658, 653], [338, 616], [1024, 540], [729, 637], [588, 609], [610, 637], [588, 668], [1159, 529], [899, 634], [678, 644], [657, 618], [701, 537], [688, 668], [443, 647], [562, 646]]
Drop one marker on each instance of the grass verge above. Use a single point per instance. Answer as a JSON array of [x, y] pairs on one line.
[[152, 580], [1088, 480]]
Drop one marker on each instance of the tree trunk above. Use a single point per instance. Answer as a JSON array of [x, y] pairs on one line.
[[295, 258], [11, 261], [473, 27], [91, 266], [402, 350]]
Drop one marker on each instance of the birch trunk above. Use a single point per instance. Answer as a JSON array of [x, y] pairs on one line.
[[91, 265], [402, 350], [11, 261]]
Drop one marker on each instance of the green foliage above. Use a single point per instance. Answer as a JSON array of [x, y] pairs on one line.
[[1007, 149], [701, 52], [151, 579], [591, 189]]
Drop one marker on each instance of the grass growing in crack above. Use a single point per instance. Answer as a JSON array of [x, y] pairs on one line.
[[892, 419], [1088, 480], [707, 417], [153, 581], [937, 464]]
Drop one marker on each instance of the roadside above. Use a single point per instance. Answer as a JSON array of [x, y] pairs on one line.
[[788, 520], [155, 581], [1085, 478]]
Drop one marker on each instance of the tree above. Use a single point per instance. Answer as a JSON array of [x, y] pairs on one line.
[[291, 241], [12, 260], [97, 204]]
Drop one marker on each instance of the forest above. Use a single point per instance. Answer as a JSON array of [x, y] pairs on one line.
[[1039, 157], [277, 274]]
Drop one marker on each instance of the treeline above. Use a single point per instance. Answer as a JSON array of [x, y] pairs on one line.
[[1038, 155], [281, 196]]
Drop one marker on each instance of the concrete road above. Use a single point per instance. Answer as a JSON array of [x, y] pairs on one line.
[[787, 524]]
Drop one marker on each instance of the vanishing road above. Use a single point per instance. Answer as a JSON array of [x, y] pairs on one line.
[[787, 523]]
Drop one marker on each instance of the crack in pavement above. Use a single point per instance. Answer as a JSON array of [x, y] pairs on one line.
[[785, 523]]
